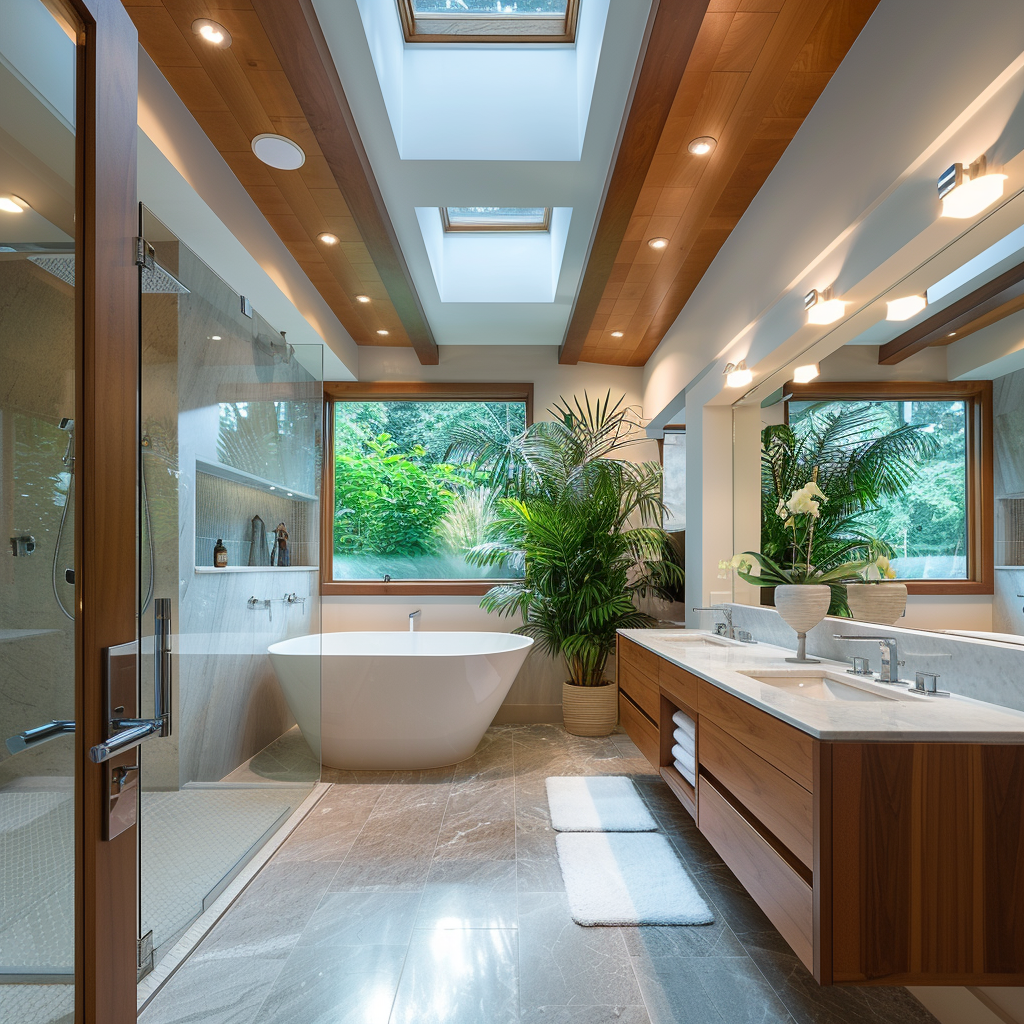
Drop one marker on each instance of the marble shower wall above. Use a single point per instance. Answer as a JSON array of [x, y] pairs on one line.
[[1008, 485], [37, 337], [229, 705]]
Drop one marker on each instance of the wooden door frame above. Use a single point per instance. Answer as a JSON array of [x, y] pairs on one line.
[[106, 419]]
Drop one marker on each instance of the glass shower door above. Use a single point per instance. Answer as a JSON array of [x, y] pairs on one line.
[[37, 498], [229, 547]]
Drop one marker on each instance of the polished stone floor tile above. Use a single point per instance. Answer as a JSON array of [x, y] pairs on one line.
[[479, 821], [716, 939], [537, 863], [350, 985], [330, 829], [719, 990], [270, 914], [583, 1014], [362, 919], [459, 976], [219, 987], [469, 894], [562, 964]]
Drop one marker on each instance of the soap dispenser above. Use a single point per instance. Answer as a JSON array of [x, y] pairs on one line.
[[220, 555]]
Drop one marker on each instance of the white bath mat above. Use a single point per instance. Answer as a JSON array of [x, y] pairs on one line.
[[597, 803], [626, 878]]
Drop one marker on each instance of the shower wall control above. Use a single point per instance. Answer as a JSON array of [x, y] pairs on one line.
[[23, 544]]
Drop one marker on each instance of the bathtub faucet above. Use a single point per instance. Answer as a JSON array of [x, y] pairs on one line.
[[413, 616]]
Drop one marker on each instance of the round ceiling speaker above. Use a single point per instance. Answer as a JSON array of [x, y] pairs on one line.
[[277, 151]]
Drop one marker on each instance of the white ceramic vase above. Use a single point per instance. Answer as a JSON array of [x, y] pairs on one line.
[[802, 607], [883, 602]]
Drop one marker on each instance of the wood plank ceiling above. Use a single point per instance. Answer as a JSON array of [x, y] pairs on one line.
[[240, 92], [756, 69]]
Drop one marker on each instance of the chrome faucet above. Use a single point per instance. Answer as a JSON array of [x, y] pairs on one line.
[[726, 614], [890, 670], [413, 616]]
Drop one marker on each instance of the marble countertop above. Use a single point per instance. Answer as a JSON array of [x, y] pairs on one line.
[[910, 718]]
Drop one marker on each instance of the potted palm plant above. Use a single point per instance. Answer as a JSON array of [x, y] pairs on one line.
[[582, 525]]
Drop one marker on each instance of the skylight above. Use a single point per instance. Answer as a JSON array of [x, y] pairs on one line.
[[495, 218], [489, 21]]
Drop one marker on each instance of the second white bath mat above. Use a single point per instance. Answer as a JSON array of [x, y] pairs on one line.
[[597, 803], [626, 878]]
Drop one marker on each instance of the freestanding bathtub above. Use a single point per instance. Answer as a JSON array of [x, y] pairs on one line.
[[396, 700]]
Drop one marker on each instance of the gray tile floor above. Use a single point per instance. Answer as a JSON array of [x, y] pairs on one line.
[[435, 896]]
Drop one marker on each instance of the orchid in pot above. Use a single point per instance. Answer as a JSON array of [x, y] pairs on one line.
[[803, 590]]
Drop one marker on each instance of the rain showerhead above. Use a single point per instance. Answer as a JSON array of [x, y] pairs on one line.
[[155, 280]]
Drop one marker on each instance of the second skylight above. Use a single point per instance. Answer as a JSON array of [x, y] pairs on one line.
[[496, 218]]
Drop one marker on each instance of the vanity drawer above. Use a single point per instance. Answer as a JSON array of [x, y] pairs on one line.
[[788, 749], [679, 684], [638, 676], [786, 899], [785, 808], [642, 731]]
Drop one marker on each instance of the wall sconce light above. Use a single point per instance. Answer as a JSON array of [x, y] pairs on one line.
[[805, 374], [905, 308], [965, 192], [822, 308], [737, 375]]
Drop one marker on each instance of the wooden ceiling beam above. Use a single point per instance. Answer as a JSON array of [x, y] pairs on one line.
[[302, 50], [669, 41], [1002, 291]]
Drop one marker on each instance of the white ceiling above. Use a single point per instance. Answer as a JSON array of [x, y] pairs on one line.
[[467, 125]]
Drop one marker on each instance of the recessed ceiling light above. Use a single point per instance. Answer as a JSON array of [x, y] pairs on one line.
[[952, 334], [13, 204], [822, 308], [277, 151], [702, 146], [362, 298], [737, 375], [327, 238], [617, 334], [216, 337], [965, 192], [657, 243], [212, 32], [905, 308], [804, 374], [383, 333]]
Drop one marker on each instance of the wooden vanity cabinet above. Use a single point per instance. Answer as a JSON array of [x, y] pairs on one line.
[[878, 862]]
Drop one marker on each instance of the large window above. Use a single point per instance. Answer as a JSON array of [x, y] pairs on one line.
[[489, 21], [939, 526], [404, 518]]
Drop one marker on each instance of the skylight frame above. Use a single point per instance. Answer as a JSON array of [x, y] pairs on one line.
[[438, 27], [484, 227]]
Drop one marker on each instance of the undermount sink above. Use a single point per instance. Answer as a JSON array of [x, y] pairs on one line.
[[824, 685], [692, 640]]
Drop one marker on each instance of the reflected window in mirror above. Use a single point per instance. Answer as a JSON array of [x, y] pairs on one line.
[[912, 465]]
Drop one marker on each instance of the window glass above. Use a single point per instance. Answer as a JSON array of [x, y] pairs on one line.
[[674, 479], [926, 525], [497, 218], [400, 510], [453, 8]]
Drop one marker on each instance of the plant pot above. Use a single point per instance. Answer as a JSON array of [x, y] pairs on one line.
[[590, 710], [883, 602], [802, 607]]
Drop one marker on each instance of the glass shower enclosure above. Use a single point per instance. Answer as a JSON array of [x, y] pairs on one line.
[[229, 499]]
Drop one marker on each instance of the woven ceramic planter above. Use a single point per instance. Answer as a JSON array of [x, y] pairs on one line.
[[877, 602], [590, 710], [802, 606]]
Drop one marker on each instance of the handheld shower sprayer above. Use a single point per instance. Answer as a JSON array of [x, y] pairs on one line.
[[68, 424]]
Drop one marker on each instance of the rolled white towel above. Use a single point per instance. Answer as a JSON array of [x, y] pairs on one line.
[[685, 722], [686, 742], [687, 773], [684, 756]]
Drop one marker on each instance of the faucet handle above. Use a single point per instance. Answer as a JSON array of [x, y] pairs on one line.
[[861, 667], [928, 683]]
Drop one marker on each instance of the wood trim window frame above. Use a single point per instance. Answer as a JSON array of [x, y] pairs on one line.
[[977, 397], [484, 228], [383, 391], [487, 28]]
